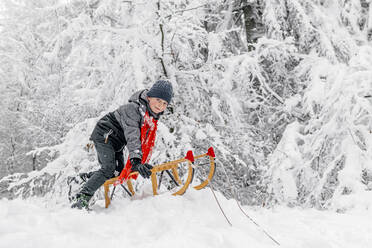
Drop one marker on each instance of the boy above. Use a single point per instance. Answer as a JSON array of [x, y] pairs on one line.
[[129, 126]]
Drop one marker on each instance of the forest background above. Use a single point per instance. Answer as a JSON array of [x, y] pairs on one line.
[[282, 89]]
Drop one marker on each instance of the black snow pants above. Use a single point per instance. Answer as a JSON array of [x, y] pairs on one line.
[[110, 162]]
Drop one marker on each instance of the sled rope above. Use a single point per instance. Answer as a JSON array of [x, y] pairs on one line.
[[241, 209], [215, 197]]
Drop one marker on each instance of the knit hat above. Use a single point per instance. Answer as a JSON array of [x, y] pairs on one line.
[[161, 89]]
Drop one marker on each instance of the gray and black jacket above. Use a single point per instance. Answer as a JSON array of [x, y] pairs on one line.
[[122, 127]]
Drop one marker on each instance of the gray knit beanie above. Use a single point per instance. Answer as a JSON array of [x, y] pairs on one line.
[[161, 89]]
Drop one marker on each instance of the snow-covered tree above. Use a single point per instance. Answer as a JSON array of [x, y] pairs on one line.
[[279, 88]]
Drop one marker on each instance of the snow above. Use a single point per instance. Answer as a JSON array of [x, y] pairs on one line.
[[191, 220], [200, 135], [319, 162], [287, 154]]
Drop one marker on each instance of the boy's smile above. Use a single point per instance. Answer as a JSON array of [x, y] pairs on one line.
[[157, 105]]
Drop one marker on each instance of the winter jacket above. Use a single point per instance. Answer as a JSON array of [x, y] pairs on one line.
[[122, 127]]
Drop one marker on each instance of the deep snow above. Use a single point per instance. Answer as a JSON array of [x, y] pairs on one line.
[[191, 220]]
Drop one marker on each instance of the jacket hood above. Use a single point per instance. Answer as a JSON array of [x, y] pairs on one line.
[[140, 97]]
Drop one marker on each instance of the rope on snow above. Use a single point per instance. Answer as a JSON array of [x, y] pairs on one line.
[[241, 209]]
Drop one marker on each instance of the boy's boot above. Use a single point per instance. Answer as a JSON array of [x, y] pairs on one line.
[[75, 184], [82, 201]]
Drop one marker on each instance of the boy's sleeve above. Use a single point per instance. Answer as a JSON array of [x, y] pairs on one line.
[[130, 119]]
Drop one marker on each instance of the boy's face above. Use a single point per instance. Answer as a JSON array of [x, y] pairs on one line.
[[157, 105]]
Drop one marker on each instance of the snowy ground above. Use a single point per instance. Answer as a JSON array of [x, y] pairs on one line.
[[192, 220]]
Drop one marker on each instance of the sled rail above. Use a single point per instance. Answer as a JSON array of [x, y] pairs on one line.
[[173, 166]]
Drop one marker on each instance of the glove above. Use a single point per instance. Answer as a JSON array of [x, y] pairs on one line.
[[143, 169]]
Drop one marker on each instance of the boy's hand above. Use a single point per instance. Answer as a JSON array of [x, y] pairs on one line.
[[143, 169]]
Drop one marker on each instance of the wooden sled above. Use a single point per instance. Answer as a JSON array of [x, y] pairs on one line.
[[168, 166]]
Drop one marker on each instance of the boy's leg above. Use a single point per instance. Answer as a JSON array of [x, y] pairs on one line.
[[120, 161], [106, 158]]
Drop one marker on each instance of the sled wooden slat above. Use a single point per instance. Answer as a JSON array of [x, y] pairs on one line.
[[130, 187], [107, 184], [182, 190], [154, 181], [190, 176], [106, 187], [210, 175], [176, 176]]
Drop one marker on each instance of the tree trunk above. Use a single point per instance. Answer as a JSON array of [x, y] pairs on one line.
[[250, 25]]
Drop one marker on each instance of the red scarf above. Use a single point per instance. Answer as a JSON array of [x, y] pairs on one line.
[[148, 134]]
